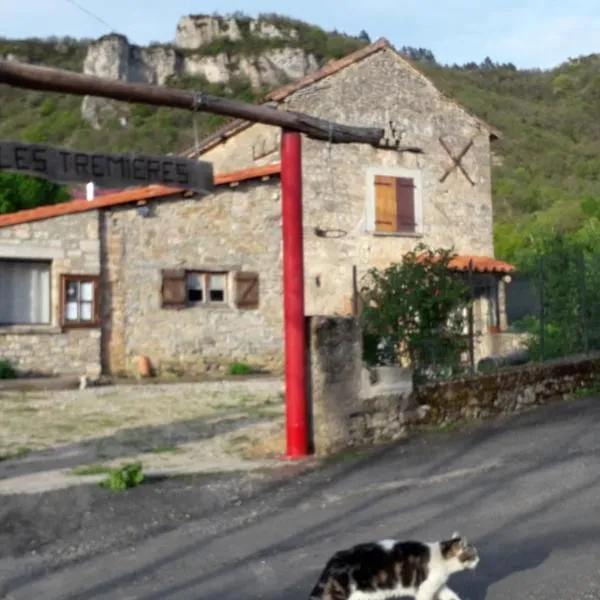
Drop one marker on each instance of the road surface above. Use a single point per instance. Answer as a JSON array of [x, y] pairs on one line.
[[525, 490]]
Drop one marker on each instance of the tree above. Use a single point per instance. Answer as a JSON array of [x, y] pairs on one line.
[[19, 192], [363, 35], [413, 309]]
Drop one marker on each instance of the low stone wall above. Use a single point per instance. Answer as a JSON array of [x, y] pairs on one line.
[[349, 407], [507, 391]]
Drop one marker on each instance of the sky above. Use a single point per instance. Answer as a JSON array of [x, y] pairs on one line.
[[527, 33]]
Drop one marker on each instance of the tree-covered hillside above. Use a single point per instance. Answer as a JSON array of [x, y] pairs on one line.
[[546, 171]]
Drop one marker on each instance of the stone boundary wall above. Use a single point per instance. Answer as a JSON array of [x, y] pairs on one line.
[[345, 412], [507, 391]]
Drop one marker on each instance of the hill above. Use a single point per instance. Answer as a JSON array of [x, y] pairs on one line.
[[546, 171]]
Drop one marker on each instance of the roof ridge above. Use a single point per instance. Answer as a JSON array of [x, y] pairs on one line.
[[275, 97]]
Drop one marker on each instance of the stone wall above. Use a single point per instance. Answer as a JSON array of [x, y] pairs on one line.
[[507, 391], [71, 243], [335, 184], [347, 405], [233, 229], [344, 414]]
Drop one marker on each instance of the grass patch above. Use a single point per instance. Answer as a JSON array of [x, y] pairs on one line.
[[239, 368], [345, 455], [163, 450], [589, 390], [88, 470], [124, 477], [17, 453], [7, 370]]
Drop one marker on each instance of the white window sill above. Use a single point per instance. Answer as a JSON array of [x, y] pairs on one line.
[[29, 330], [210, 305], [415, 234]]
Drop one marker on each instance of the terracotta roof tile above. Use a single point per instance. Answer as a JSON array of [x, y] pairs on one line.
[[481, 264], [128, 196], [277, 96]]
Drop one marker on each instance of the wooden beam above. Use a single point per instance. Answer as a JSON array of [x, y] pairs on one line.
[[48, 79]]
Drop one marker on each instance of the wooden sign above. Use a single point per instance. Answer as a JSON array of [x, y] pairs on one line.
[[62, 165]]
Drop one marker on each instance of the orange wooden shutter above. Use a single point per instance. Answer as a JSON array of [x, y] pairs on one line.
[[386, 209]]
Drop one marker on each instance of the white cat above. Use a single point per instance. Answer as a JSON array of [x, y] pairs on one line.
[[389, 568]]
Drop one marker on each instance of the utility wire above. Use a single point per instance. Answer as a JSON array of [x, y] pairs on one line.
[[91, 14]]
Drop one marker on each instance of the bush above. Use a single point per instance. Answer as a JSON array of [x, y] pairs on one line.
[[412, 310]]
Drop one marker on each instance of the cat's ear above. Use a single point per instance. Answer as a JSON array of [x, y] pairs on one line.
[[455, 535]]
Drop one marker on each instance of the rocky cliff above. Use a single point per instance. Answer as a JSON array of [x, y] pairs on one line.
[[263, 52]]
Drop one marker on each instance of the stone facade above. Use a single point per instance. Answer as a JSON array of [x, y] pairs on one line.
[[235, 229], [239, 229], [71, 245], [336, 184]]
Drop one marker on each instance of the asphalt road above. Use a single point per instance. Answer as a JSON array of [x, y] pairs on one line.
[[525, 490]]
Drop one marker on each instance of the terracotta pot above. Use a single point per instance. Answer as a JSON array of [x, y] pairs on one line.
[[493, 329], [144, 367]]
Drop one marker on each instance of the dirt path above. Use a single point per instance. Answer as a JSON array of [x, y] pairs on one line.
[[54, 439]]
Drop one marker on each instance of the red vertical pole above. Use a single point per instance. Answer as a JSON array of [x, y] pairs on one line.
[[293, 294]]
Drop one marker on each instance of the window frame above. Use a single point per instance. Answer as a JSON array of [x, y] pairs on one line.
[[65, 278], [36, 261], [370, 207], [206, 276]]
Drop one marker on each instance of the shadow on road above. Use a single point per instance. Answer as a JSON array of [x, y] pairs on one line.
[[496, 565], [509, 542]]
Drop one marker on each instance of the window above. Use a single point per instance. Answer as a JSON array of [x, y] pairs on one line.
[[206, 287], [80, 301], [24, 292], [394, 201], [181, 288]]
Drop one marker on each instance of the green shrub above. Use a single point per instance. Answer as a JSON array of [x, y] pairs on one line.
[[124, 477], [7, 370]]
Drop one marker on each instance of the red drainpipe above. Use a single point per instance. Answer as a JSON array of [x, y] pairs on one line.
[[293, 295]]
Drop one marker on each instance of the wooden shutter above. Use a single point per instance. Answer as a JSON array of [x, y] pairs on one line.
[[405, 194], [174, 289], [246, 290], [386, 207]]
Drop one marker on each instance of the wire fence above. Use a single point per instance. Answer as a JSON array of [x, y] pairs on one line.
[[563, 308]]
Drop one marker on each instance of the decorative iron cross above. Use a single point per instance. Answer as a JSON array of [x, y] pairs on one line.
[[456, 161]]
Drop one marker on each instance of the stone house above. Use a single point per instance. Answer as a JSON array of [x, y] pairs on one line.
[[195, 283]]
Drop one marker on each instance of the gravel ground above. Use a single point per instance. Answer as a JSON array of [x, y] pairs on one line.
[[80, 522], [525, 489], [174, 428]]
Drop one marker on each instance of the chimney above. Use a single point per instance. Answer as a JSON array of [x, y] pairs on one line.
[[89, 191]]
